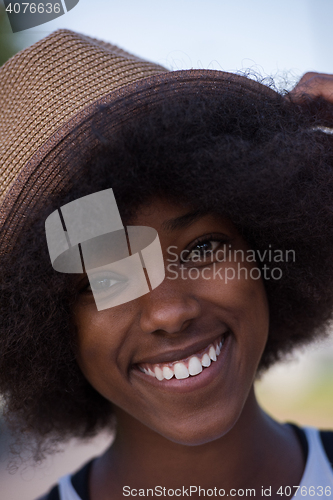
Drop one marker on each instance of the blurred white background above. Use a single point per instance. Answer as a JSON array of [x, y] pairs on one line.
[[280, 39], [271, 37]]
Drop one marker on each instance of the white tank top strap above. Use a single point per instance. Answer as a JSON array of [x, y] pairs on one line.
[[66, 490], [318, 470]]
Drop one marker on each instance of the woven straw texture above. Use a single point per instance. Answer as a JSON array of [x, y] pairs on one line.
[[32, 106], [51, 93]]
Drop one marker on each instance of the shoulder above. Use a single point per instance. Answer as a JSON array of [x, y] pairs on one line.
[[320, 459], [75, 486], [327, 442], [52, 495], [317, 447]]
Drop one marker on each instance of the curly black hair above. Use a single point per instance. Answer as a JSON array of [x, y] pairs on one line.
[[258, 158]]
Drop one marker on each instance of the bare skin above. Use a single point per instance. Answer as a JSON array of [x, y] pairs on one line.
[[315, 84], [212, 434]]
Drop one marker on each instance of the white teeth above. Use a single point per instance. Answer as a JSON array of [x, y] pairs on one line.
[[158, 373], [205, 361], [212, 353], [167, 372], [194, 366], [180, 371]]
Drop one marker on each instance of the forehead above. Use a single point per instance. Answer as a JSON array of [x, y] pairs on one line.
[[170, 217]]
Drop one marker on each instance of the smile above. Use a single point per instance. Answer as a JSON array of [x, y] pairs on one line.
[[187, 367]]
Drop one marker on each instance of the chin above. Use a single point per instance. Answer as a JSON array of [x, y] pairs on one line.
[[194, 434]]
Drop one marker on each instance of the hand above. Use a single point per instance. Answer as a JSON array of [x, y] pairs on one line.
[[314, 84]]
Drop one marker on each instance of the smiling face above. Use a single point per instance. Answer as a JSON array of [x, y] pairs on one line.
[[177, 329]]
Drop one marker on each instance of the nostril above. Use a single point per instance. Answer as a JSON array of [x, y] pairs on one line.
[[167, 315], [166, 323]]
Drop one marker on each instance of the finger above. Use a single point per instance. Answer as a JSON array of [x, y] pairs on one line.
[[314, 84]]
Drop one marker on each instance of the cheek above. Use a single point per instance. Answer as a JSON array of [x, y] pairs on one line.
[[235, 282], [100, 337], [244, 299], [249, 297]]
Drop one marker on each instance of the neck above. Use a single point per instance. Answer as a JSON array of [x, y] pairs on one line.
[[242, 458]]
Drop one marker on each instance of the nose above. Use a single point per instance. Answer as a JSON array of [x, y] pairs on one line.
[[168, 309]]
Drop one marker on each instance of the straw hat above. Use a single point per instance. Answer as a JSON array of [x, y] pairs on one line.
[[50, 92]]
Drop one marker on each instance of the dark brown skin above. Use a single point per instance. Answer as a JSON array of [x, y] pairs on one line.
[[315, 84], [215, 435]]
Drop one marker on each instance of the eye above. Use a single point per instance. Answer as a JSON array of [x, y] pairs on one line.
[[104, 283], [203, 249], [101, 284]]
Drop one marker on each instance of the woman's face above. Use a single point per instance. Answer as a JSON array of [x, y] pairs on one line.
[[207, 298]]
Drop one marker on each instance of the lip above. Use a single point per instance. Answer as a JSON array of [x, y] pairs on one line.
[[192, 383], [179, 354]]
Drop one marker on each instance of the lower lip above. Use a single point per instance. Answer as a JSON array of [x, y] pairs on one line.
[[191, 383]]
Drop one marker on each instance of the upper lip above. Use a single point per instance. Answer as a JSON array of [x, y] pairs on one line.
[[182, 353]]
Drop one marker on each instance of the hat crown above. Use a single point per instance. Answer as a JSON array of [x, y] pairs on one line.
[[45, 85]]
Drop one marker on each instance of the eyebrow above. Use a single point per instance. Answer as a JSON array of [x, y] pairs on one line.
[[183, 221]]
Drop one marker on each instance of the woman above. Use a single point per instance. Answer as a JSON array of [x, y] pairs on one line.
[[236, 181]]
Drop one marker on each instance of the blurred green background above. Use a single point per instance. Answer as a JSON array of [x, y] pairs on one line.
[[301, 390]]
